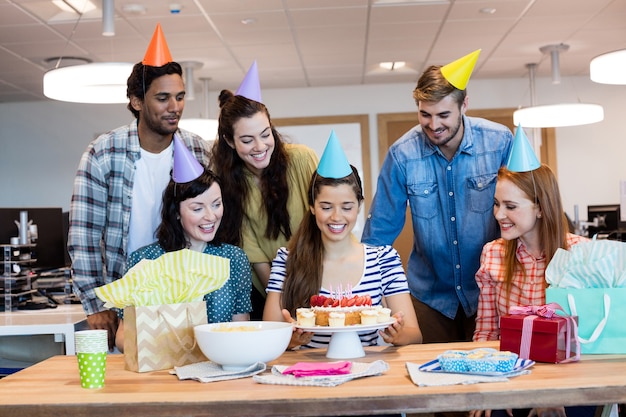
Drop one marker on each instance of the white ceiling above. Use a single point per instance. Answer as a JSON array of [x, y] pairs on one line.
[[311, 43]]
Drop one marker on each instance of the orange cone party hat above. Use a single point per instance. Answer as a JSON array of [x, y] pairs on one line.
[[522, 157], [158, 54], [458, 72]]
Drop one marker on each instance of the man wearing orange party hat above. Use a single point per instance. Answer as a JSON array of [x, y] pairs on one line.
[[116, 202], [445, 169]]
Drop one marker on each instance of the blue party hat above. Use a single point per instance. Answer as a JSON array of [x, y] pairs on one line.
[[334, 163], [522, 157], [250, 87], [186, 166]]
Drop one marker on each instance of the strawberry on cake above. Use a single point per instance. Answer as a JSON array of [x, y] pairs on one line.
[[350, 306]]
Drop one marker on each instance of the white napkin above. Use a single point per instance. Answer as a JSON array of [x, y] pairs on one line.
[[433, 379], [358, 370], [211, 372]]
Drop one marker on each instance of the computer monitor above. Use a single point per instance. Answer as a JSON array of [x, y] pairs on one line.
[[608, 216], [50, 251]]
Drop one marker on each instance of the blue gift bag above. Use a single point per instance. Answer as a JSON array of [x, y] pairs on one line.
[[601, 316]]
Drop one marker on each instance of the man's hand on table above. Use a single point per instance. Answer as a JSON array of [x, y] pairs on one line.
[[105, 320]]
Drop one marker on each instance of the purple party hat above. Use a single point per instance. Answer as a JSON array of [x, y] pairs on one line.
[[522, 157], [334, 163], [250, 87], [186, 166]]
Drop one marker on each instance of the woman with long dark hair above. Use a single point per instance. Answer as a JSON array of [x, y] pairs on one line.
[[324, 254], [265, 183], [191, 218]]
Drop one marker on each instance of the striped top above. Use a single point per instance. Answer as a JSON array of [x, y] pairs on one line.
[[383, 276]]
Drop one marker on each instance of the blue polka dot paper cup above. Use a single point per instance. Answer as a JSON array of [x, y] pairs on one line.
[[505, 361], [481, 365], [453, 361], [91, 351]]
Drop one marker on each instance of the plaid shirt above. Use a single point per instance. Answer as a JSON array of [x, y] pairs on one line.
[[100, 208], [492, 302]]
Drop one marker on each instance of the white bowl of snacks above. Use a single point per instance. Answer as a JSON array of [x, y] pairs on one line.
[[239, 344]]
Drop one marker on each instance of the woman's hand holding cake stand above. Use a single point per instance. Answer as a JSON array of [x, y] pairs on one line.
[[333, 284], [392, 333], [299, 336]]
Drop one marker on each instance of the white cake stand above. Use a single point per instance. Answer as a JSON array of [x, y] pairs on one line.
[[344, 341]]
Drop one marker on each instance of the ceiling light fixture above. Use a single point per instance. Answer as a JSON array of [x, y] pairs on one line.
[[134, 8], [408, 2], [103, 82], [108, 18], [556, 115], [204, 127], [65, 61], [555, 51], [609, 68], [559, 115], [392, 65], [188, 69], [75, 6]]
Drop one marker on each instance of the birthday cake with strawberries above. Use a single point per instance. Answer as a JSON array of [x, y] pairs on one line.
[[339, 311]]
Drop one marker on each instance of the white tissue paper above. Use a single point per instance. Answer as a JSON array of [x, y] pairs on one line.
[[592, 264]]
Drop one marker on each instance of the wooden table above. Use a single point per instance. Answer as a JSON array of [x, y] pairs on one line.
[[52, 388]]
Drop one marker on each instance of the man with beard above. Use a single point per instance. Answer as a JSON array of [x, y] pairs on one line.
[[116, 201], [445, 168]]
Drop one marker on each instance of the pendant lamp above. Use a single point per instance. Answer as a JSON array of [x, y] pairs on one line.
[[556, 115], [559, 115], [609, 68], [102, 82], [204, 127]]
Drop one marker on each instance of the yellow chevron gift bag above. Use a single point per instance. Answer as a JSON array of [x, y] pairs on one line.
[[163, 300], [161, 337]]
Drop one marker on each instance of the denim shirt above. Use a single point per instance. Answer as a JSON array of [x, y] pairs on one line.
[[451, 208]]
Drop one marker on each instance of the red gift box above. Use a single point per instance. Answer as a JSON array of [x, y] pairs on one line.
[[537, 333]]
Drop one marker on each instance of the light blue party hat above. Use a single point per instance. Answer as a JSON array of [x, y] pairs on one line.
[[186, 166], [334, 163], [522, 157], [250, 87]]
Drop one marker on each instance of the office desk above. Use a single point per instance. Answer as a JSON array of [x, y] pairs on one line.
[[61, 322], [52, 388]]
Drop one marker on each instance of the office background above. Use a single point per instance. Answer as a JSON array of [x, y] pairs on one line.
[[41, 142]]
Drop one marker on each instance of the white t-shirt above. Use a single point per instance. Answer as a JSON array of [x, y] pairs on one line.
[[152, 174]]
